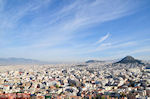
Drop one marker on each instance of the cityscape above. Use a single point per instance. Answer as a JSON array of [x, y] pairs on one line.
[[74, 49], [128, 78]]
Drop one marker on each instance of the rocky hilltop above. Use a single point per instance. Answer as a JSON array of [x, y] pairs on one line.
[[129, 59]]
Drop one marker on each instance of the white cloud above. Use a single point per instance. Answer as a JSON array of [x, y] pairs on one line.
[[103, 38]]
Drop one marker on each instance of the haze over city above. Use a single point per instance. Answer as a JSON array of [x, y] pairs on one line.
[[74, 30]]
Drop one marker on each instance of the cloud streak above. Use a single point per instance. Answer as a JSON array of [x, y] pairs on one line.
[[102, 38]]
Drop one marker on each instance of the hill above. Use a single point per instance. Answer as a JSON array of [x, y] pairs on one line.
[[129, 59]]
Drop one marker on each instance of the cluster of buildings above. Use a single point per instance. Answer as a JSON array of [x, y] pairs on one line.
[[76, 81]]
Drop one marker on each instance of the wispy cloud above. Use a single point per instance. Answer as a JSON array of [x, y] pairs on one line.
[[103, 38], [42, 26], [112, 45]]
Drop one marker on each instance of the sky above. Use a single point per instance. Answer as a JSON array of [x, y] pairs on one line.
[[74, 30]]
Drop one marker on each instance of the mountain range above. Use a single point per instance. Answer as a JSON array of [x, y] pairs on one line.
[[13, 60]]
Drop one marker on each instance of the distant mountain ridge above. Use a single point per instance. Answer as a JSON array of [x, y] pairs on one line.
[[94, 61], [102, 61], [13, 60]]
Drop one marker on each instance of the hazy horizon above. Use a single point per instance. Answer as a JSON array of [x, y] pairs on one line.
[[54, 30]]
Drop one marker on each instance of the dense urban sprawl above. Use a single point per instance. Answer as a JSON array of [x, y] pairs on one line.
[[95, 80]]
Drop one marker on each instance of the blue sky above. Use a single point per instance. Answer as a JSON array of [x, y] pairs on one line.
[[74, 30]]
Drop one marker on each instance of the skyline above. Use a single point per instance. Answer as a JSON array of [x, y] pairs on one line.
[[53, 30]]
